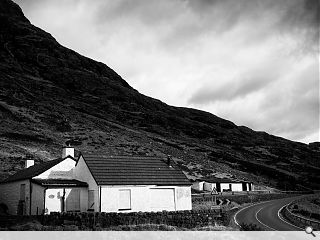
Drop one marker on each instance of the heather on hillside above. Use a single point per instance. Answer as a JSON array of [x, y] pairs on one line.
[[50, 94]]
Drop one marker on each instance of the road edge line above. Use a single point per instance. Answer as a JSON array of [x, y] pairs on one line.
[[282, 219]]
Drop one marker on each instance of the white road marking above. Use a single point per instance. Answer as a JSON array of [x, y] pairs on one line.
[[236, 222], [282, 219], [235, 216], [256, 216]]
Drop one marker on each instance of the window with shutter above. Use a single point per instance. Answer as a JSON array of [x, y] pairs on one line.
[[91, 199]]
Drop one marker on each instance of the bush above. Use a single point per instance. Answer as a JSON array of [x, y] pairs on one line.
[[249, 227], [143, 227], [98, 221], [70, 228], [29, 226], [52, 228], [3, 209]]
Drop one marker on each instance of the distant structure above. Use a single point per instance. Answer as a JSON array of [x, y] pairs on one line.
[[96, 183], [221, 185]]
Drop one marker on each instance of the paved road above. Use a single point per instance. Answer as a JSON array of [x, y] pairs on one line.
[[265, 215]]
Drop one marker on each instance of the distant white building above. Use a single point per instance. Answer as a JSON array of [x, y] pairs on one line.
[[198, 185], [221, 185], [96, 183]]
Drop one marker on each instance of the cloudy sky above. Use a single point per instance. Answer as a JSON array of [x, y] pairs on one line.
[[254, 62]]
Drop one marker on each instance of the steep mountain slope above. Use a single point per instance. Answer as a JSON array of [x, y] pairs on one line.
[[49, 94]]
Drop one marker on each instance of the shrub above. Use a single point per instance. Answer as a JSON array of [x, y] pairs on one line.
[[249, 227], [3, 209], [98, 221], [52, 228], [143, 227], [70, 228], [29, 226]]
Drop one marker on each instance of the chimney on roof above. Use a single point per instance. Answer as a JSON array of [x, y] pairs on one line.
[[29, 161], [67, 151]]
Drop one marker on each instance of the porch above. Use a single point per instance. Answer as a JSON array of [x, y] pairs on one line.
[[59, 195]]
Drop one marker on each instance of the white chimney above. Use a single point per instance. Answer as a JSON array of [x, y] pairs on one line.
[[28, 163], [67, 151]]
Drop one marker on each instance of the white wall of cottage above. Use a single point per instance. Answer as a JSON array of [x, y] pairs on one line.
[[63, 169], [82, 173], [147, 198]]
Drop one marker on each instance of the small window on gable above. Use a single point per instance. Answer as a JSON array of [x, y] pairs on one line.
[[124, 199]]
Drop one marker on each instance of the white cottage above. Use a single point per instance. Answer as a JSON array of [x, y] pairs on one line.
[[96, 183], [132, 184], [197, 185]]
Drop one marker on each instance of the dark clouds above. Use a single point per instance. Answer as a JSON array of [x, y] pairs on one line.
[[250, 82], [149, 12], [299, 18], [293, 110], [302, 18], [189, 19], [254, 62], [255, 78], [227, 92], [287, 16], [287, 107]]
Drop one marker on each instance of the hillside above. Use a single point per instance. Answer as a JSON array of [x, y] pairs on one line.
[[50, 94]]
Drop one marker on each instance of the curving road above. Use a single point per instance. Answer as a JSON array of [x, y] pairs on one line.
[[266, 215]]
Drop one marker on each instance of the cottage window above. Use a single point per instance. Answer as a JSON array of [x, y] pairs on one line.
[[91, 199], [124, 199]]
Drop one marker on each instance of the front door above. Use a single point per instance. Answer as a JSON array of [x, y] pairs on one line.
[[54, 200]]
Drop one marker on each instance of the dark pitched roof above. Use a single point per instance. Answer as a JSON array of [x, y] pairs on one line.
[[220, 180], [33, 171], [60, 182], [133, 170]]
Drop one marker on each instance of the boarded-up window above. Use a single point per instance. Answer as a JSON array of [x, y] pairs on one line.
[[162, 199], [91, 199], [22, 192], [124, 199], [73, 200]]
